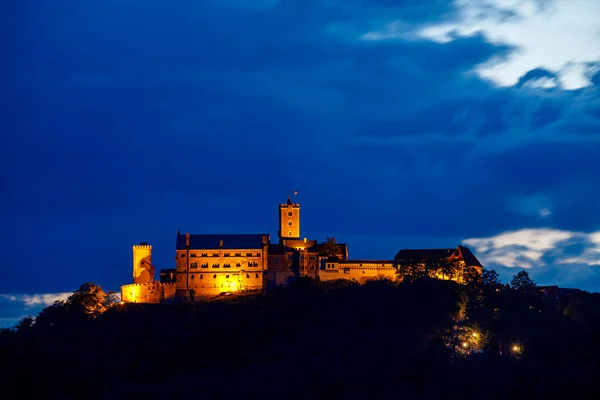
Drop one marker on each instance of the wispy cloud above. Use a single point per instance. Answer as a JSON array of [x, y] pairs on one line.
[[537, 29], [33, 300]]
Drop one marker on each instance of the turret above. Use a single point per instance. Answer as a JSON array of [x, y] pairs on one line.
[[143, 270]]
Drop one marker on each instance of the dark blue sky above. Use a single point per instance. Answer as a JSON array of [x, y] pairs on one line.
[[123, 121]]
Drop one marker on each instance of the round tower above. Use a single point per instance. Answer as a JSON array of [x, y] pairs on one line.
[[143, 270]]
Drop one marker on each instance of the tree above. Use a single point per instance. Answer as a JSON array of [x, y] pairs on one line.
[[521, 282], [90, 300], [489, 277]]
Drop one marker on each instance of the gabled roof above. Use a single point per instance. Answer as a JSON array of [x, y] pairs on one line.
[[230, 241], [434, 255], [468, 257]]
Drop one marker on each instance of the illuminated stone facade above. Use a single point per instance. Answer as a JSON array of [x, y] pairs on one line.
[[208, 265]]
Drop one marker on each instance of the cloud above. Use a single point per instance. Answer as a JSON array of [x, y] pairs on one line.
[[555, 256], [536, 28], [16, 306], [32, 300]]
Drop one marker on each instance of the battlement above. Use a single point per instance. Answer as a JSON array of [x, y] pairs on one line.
[[142, 246], [151, 292]]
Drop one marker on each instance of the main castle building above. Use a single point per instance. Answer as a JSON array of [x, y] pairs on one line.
[[207, 265]]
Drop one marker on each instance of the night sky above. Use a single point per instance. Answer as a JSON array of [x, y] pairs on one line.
[[402, 124]]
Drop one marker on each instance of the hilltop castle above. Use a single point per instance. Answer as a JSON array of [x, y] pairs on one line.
[[207, 265]]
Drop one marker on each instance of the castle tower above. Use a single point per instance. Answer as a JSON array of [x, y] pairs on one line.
[[143, 270], [289, 220]]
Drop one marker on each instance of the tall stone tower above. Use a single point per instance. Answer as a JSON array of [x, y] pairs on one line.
[[289, 220], [143, 270]]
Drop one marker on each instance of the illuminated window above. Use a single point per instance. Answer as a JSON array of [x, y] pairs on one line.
[[205, 265], [226, 266], [194, 265], [215, 265]]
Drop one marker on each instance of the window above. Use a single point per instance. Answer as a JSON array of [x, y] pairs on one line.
[[226, 276], [302, 267], [276, 260], [194, 265], [257, 275], [238, 254], [289, 256], [193, 255], [226, 254], [290, 223], [204, 254], [238, 265], [205, 265], [215, 265], [248, 254], [289, 213], [182, 255], [255, 264], [289, 233], [215, 276], [192, 276], [215, 254], [312, 267], [201, 276], [226, 265], [311, 257]]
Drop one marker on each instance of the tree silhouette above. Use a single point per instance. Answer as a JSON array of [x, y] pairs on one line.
[[489, 277], [521, 282], [331, 247]]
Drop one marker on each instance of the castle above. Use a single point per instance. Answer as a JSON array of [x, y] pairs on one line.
[[208, 265]]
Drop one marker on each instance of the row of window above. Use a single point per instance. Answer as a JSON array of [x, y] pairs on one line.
[[224, 255], [226, 265], [201, 276]]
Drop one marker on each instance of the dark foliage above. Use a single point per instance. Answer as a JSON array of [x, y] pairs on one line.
[[425, 339]]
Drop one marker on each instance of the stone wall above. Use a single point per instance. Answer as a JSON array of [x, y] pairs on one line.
[[154, 292], [360, 272]]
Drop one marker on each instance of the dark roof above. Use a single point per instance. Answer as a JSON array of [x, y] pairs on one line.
[[468, 257], [437, 255], [230, 241]]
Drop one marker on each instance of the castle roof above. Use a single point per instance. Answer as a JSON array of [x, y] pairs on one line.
[[434, 255], [230, 241]]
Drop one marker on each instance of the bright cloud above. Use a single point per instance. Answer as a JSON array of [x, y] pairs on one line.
[[561, 36], [33, 300], [528, 248]]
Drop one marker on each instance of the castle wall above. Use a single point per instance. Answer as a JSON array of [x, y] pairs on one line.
[[210, 283], [360, 272], [154, 292]]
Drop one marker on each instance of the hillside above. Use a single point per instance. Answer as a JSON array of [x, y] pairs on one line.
[[427, 339]]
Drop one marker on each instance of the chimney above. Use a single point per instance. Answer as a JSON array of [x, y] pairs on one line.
[[187, 239]]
